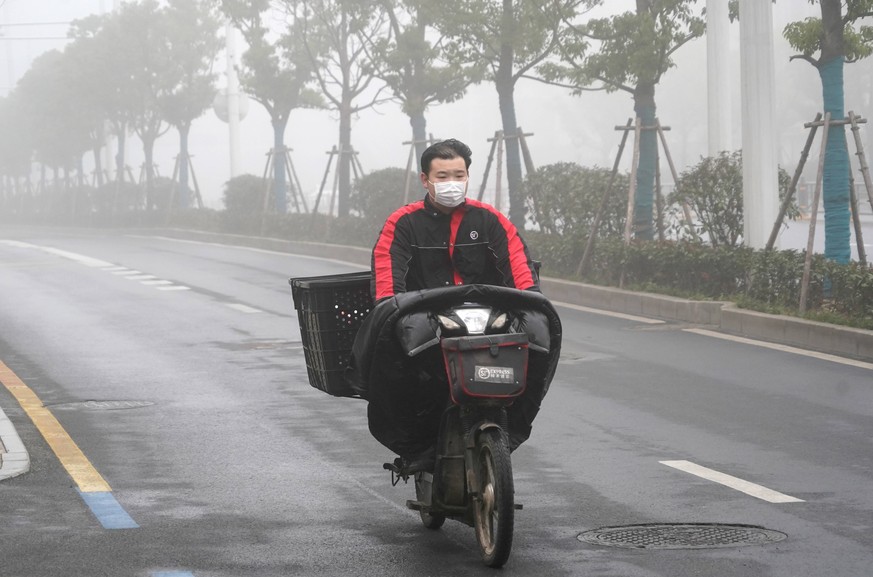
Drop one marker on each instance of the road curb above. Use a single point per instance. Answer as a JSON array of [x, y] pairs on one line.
[[724, 316], [801, 333], [14, 458]]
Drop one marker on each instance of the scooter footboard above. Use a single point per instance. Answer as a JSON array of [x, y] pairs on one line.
[[450, 469]]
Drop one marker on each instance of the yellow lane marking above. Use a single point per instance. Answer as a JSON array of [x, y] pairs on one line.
[[71, 457]]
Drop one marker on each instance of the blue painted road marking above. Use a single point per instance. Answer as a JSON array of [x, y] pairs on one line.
[[107, 510]]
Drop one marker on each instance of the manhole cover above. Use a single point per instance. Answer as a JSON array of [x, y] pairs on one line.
[[104, 405], [681, 536]]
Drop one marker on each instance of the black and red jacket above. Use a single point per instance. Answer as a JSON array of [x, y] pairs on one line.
[[420, 248]]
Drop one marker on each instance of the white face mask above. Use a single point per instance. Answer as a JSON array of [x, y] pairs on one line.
[[450, 193]]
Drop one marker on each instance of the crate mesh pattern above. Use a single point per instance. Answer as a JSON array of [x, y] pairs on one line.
[[331, 309]]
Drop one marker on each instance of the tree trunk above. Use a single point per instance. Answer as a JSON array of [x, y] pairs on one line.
[[415, 104], [506, 96], [183, 200], [513, 155], [98, 166], [119, 155], [148, 148], [344, 162], [419, 134], [835, 186], [119, 170], [644, 106], [280, 186]]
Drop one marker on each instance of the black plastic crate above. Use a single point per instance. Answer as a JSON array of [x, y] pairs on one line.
[[330, 309]]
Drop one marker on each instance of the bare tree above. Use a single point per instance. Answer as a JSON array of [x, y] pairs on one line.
[[276, 72], [413, 61], [631, 52], [512, 38], [336, 35]]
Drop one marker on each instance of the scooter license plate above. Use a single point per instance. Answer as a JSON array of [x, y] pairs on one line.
[[500, 375]]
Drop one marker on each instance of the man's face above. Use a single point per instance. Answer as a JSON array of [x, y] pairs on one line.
[[442, 170]]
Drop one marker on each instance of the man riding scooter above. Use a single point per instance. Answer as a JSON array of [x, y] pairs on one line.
[[443, 240]]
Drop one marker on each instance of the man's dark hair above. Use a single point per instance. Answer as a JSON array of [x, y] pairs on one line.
[[447, 149]]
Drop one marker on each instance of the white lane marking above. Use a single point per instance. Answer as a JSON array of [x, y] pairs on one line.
[[749, 488], [79, 258], [243, 308], [124, 272], [624, 316], [18, 244], [252, 249], [783, 348]]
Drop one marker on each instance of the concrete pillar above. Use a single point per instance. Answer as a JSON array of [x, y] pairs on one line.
[[718, 76], [760, 169]]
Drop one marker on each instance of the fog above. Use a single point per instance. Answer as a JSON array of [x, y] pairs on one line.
[[568, 128]]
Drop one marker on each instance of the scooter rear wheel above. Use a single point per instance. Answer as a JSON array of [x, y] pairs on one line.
[[431, 521], [494, 507]]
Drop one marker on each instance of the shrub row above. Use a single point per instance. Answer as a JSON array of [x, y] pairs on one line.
[[768, 281]]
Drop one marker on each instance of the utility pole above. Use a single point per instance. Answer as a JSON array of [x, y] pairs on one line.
[[718, 76], [7, 48], [760, 172], [108, 160]]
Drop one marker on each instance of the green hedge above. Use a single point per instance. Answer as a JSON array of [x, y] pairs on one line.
[[768, 281]]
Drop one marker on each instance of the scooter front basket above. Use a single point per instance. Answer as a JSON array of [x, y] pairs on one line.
[[486, 366]]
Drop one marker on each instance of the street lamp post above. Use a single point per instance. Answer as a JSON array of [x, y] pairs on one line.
[[10, 66], [760, 171]]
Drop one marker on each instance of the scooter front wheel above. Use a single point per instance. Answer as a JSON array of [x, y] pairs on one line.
[[494, 507]]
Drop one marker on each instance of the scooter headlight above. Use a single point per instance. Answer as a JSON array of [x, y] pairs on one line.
[[475, 319], [499, 322], [448, 324]]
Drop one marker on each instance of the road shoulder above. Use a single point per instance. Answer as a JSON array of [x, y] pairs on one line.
[[14, 458]]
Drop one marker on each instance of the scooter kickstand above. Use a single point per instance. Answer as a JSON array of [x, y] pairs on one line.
[[397, 473]]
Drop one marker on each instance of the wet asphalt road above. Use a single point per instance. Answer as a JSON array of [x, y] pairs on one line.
[[231, 465]]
